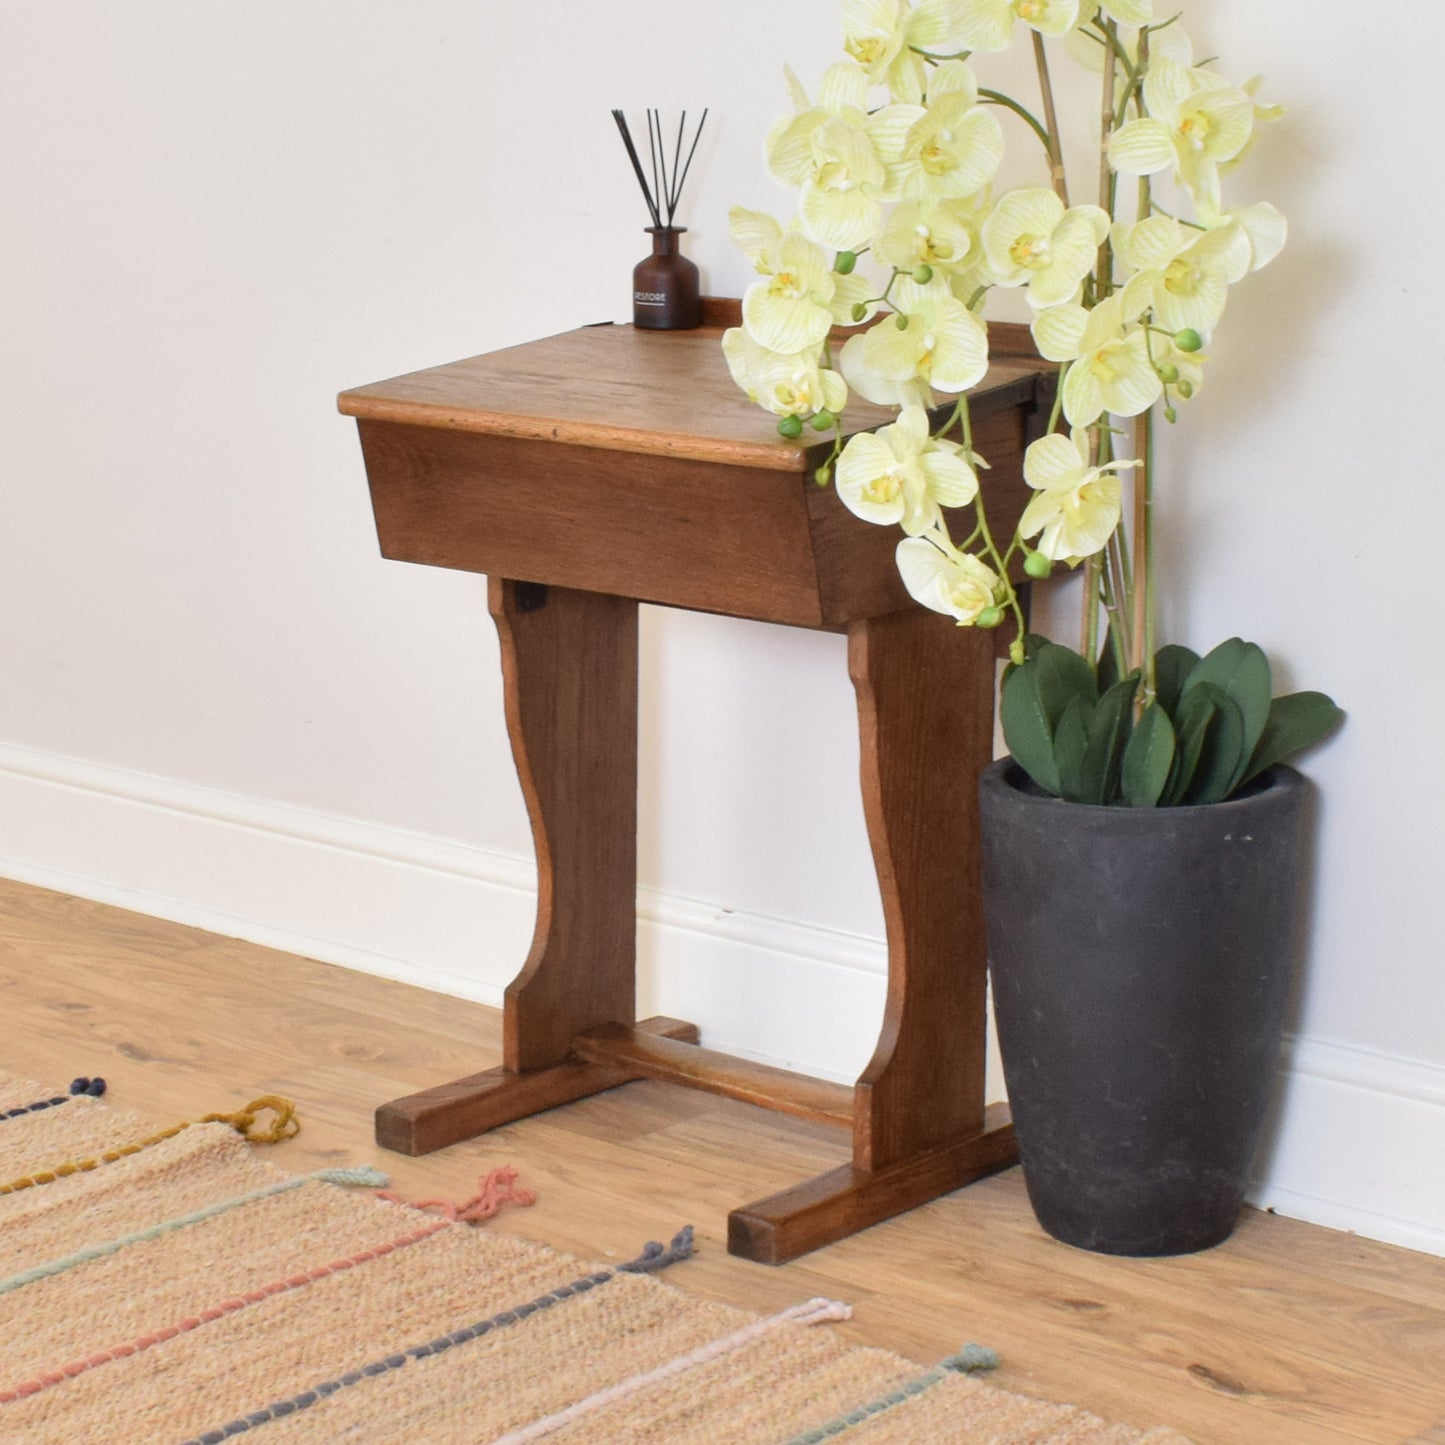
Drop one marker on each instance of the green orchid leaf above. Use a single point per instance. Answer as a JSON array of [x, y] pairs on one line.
[[1221, 750], [1071, 744], [1109, 727], [1296, 722], [1108, 664], [1241, 670], [1172, 664], [1194, 715], [1027, 729], [1033, 642], [1147, 758], [1062, 676]]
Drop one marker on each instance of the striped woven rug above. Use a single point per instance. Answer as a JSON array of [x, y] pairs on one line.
[[170, 1286]]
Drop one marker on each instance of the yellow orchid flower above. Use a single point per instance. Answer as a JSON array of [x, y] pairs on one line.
[[1110, 368], [988, 24], [784, 385], [920, 233], [883, 36], [1263, 114], [855, 362], [900, 475], [1058, 332], [941, 344], [843, 95], [1075, 507], [969, 282], [1183, 276], [953, 583], [947, 149], [1196, 122], [799, 297], [1266, 229], [829, 151], [840, 204], [1032, 240]]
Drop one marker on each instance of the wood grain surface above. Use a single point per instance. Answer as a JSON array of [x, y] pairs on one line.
[[1286, 1335], [919, 678], [614, 388], [569, 669], [613, 498]]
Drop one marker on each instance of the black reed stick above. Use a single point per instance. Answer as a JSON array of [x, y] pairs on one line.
[[654, 141], [621, 120], [676, 157], [677, 193], [663, 195]]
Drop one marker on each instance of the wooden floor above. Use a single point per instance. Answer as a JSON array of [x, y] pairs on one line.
[[1286, 1335]]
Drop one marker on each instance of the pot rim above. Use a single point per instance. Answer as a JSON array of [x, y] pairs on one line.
[[1001, 776]]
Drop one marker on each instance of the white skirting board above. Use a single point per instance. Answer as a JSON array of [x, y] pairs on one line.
[[1346, 1147]]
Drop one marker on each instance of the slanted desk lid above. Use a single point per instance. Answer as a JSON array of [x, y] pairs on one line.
[[656, 393]]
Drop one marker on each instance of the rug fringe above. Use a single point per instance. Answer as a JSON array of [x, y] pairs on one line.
[[94, 1087], [243, 1121], [654, 1256]]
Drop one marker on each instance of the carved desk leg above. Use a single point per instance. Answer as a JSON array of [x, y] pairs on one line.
[[569, 667], [925, 705]]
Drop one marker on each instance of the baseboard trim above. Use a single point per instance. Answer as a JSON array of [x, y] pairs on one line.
[[438, 913], [457, 918], [1350, 1146]]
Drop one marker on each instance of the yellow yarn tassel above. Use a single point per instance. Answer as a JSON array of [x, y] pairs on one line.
[[242, 1121], [285, 1127]]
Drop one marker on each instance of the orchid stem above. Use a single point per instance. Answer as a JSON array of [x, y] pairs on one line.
[[1051, 121], [996, 97], [1104, 266], [1145, 614]]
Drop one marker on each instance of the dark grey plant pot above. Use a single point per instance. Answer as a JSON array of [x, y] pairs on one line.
[[1141, 962]]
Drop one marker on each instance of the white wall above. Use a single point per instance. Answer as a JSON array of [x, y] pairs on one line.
[[220, 705]]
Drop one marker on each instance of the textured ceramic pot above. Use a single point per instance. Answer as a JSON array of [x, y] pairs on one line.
[[1141, 961]]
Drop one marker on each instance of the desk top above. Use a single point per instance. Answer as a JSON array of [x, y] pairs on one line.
[[651, 393], [628, 463]]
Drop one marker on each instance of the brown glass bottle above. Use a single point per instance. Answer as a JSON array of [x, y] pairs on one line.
[[665, 286]]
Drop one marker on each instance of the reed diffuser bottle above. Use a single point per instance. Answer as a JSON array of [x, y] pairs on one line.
[[665, 291]]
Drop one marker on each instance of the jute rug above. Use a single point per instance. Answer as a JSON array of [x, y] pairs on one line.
[[168, 1285]]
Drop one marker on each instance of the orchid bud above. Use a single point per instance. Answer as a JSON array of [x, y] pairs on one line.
[[823, 420], [859, 311], [845, 263], [791, 427], [1188, 339], [923, 273], [1168, 373], [1170, 414], [1037, 566], [989, 617], [901, 321], [823, 475], [1186, 388]]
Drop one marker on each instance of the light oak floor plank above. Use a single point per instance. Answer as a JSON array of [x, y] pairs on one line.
[[1287, 1334]]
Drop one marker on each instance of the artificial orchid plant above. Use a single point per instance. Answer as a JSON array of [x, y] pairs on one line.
[[897, 224]]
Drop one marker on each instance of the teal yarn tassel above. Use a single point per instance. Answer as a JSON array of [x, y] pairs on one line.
[[367, 1175], [968, 1360]]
